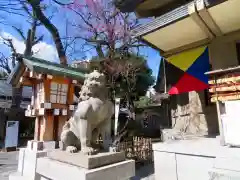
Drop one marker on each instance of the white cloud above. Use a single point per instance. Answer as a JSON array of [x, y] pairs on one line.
[[41, 50], [45, 51]]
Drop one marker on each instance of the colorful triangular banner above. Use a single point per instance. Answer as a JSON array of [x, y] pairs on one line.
[[200, 66], [185, 59], [186, 84]]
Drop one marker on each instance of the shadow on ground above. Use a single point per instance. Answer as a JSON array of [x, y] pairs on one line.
[[144, 172]]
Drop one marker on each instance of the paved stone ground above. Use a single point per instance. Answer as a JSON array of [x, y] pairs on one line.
[[5, 170], [8, 164]]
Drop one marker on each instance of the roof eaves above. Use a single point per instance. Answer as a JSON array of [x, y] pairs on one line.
[[54, 68], [169, 18], [64, 73], [42, 61], [162, 21]]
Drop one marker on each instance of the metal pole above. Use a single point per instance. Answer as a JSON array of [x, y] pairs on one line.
[[117, 106], [164, 74]]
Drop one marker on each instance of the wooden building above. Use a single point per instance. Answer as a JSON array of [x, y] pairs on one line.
[[52, 93]]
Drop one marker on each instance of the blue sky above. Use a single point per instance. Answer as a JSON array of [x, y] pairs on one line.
[[47, 48]]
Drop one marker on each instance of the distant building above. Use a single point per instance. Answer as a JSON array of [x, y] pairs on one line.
[[6, 95], [7, 113], [80, 64]]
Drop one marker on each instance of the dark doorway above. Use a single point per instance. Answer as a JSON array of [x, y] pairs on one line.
[[55, 130], [238, 52]]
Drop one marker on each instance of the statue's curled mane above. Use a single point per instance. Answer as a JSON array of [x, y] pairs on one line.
[[94, 86]]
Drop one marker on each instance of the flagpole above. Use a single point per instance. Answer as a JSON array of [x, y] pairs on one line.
[[164, 74]]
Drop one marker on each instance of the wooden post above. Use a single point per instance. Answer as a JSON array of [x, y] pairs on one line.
[[46, 133], [37, 129]]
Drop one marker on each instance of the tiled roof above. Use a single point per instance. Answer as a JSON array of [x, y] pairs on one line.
[[45, 67]]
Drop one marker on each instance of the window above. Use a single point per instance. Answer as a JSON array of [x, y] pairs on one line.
[[58, 93]]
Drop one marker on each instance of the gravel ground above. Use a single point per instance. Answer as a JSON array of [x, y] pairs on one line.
[[8, 165]]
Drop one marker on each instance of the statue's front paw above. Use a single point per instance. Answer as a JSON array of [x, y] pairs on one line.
[[88, 150], [71, 149]]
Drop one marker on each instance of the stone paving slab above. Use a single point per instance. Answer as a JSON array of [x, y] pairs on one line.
[[6, 170], [7, 158]]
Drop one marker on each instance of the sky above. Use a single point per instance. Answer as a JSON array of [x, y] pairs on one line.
[[46, 49]]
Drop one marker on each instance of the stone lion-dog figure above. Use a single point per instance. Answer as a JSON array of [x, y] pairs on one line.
[[91, 118]]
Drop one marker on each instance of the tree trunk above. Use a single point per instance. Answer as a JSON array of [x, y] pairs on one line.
[[35, 4], [16, 97], [17, 92]]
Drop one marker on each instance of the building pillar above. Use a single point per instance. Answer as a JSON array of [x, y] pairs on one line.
[[36, 129], [221, 132], [46, 128]]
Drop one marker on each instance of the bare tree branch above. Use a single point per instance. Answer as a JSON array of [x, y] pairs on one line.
[[35, 4], [4, 63], [20, 32]]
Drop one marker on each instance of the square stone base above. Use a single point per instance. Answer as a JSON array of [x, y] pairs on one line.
[[85, 161], [49, 169], [27, 162]]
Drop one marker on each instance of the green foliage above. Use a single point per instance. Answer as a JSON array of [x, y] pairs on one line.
[[3, 74], [128, 77], [143, 102]]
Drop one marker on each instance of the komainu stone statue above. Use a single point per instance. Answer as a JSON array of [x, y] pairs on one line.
[[91, 118]]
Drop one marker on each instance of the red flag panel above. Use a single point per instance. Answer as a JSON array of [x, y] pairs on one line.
[[186, 84]]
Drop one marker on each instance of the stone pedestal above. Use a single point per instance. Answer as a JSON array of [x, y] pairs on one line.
[[40, 161], [27, 160], [27, 163], [62, 165]]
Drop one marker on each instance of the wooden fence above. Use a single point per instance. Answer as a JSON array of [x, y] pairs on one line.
[[137, 148]]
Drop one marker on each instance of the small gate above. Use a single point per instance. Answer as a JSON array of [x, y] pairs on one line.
[[137, 148]]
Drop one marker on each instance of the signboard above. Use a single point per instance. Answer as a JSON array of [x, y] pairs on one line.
[[11, 138]]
